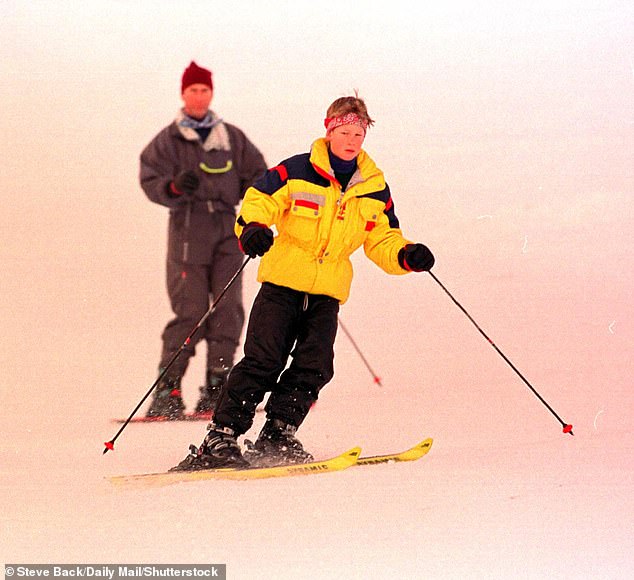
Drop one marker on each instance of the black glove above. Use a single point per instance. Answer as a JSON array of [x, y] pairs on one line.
[[256, 239], [416, 258], [186, 182]]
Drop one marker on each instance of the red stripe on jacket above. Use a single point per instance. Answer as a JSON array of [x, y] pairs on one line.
[[306, 203], [282, 172]]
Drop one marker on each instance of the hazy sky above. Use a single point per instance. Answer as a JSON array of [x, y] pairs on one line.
[[90, 82]]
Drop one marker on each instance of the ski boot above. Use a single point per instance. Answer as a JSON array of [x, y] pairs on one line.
[[276, 445], [218, 450], [209, 393], [168, 401]]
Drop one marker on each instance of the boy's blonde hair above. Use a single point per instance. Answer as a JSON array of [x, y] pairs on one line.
[[345, 105]]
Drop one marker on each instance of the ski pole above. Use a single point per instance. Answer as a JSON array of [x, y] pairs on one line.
[[110, 444], [377, 380], [567, 428]]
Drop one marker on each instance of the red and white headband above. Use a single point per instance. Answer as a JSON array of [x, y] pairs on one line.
[[348, 119]]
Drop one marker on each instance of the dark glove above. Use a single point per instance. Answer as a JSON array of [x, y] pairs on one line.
[[415, 258], [256, 239], [186, 182]]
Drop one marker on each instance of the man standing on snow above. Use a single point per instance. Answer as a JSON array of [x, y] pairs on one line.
[[199, 167]]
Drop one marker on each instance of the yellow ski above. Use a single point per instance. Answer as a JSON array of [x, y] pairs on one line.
[[348, 459], [412, 454], [343, 461]]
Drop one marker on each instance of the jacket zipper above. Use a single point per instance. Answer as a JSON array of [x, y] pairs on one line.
[[188, 215], [332, 221]]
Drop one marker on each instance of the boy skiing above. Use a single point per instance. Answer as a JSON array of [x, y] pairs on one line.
[[325, 205]]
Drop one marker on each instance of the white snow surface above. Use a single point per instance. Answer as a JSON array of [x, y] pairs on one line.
[[506, 137]]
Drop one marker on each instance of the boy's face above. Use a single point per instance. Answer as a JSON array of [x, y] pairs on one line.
[[197, 98], [346, 141]]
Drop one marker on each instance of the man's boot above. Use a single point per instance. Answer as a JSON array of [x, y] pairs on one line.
[[168, 400]]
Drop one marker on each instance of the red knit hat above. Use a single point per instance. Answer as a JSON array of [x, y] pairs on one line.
[[194, 74]]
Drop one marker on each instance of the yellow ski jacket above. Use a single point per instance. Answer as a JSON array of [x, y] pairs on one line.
[[319, 226]]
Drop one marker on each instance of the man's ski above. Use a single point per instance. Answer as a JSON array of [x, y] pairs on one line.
[[187, 416], [343, 461], [412, 454]]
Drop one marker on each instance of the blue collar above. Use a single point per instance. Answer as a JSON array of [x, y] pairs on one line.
[[341, 165]]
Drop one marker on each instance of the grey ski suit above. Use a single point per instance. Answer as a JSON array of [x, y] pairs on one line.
[[203, 252]]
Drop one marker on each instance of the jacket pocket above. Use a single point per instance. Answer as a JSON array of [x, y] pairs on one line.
[[304, 216], [360, 225]]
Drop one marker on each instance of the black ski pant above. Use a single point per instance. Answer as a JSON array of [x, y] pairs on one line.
[[283, 323]]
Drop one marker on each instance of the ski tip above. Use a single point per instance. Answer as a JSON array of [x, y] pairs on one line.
[[568, 429], [355, 453], [109, 447]]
